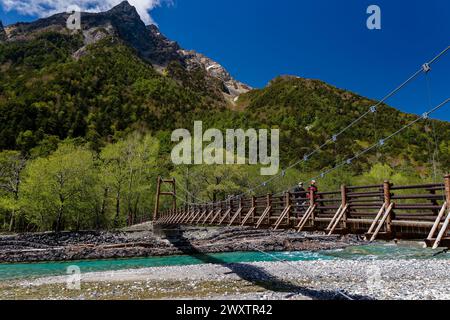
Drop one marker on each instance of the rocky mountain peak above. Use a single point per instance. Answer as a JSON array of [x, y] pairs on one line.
[[124, 11], [123, 7]]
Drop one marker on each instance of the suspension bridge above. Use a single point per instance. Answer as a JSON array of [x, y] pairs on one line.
[[382, 211], [379, 211]]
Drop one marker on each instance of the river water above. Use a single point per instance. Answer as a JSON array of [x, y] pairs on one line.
[[377, 251]]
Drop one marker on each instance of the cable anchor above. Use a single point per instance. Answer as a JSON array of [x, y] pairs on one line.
[[426, 68]]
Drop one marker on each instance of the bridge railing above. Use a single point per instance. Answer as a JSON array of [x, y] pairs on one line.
[[379, 210]]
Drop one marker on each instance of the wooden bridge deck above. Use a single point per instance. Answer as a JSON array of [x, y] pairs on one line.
[[383, 211]]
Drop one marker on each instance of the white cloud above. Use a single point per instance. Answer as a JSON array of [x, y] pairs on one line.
[[45, 8]]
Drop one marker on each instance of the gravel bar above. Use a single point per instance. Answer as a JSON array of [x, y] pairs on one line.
[[337, 279]]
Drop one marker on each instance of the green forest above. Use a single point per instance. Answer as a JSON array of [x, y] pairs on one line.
[[83, 138]]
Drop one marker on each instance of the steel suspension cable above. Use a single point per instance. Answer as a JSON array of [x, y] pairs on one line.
[[424, 69]]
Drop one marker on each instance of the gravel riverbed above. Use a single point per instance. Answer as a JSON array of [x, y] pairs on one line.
[[304, 280], [143, 241]]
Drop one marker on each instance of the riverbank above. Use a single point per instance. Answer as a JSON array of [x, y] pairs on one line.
[[304, 280], [141, 241]]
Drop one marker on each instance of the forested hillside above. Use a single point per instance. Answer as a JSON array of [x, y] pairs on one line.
[[85, 130]]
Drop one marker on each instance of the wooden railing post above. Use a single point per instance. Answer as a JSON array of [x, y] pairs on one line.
[[253, 206], [241, 205], [312, 203], [387, 201], [288, 203], [269, 204], [230, 209], [174, 198], [158, 191], [447, 189], [344, 205]]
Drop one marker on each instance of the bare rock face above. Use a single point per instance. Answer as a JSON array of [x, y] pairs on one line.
[[194, 60], [164, 50], [124, 22]]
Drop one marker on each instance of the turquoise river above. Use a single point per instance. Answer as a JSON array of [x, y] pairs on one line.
[[368, 252]]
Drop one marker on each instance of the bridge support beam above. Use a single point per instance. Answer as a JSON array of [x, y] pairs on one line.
[[445, 227], [387, 201], [173, 194], [286, 212]]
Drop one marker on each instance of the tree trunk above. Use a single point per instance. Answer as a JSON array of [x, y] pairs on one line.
[[135, 211], [78, 222], [11, 222], [116, 219], [13, 213], [130, 214], [60, 216], [103, 208]]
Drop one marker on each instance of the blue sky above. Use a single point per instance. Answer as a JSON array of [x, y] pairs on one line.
[[257, 40]]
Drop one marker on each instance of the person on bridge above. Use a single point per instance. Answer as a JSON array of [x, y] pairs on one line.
[[299, 193], [314, 190]]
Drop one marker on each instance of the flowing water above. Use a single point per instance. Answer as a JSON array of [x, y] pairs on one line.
[[367, 252]]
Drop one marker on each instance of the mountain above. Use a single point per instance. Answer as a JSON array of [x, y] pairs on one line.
[[309, 112], [123, 22], [118, 75]]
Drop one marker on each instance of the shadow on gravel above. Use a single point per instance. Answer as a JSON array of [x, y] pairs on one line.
[[258, 276]]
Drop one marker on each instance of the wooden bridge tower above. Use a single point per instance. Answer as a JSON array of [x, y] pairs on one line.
[[173, 194]]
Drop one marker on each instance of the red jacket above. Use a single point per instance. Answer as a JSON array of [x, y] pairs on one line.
[[315, 190]]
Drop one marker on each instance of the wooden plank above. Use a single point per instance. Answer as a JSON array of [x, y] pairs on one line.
[[248, 215], [305, 218], [203, 216], [236, 215], [170, 217], [175, 217], [334, 218], [281, 218], [191, 221], [374, 223], [216, 216], [182, 215], [443, 232], [338, 219], [181, 218], [166, 218], [383, 220], [438, 222], [167, 194], [208, 217], [190, 215], [226, 215], [264, 215]]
